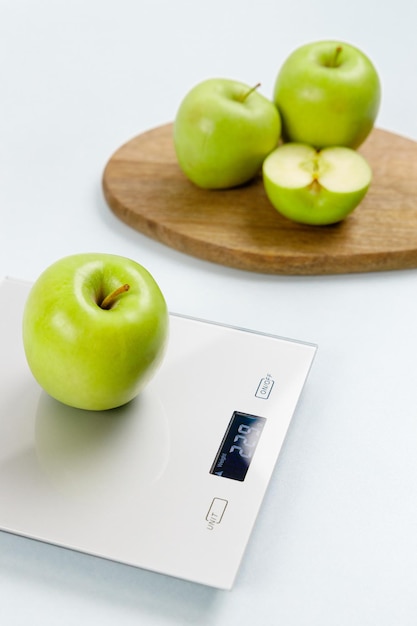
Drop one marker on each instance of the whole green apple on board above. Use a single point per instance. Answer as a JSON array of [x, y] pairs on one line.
[[223, 130], [95, 328], [328, 94]]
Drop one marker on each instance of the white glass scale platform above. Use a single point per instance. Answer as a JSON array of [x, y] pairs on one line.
[[173, 481]]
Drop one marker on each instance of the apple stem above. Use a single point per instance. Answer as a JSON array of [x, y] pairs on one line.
[[109, 300], [334, 61], [246, 95]]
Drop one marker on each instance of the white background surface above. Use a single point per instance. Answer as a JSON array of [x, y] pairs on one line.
[[336, 540]]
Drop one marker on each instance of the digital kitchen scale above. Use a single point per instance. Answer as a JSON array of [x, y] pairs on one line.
[[171, 482]]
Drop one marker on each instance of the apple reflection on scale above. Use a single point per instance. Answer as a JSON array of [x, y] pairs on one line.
[[176, 476]]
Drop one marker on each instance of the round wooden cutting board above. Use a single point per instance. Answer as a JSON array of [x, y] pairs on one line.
[[239, 228]]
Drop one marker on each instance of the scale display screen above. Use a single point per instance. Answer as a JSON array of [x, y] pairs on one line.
[[238, 446]]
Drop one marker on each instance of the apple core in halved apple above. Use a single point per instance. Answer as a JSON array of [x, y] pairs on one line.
[[316, 187]]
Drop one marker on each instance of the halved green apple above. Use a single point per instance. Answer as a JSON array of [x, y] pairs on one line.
[[315, 187]]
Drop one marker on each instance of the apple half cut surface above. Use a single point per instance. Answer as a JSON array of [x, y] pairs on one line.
[[317, 187]]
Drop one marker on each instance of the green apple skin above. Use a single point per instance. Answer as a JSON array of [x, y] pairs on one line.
[[305, 199], [328, 94], [223, 130], [86, 356]]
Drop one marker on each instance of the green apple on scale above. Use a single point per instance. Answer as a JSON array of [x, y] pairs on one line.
[[316, 187], [328, 94], [95, 328], [223, 130]]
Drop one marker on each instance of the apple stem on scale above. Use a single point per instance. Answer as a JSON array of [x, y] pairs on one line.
[[110, 299]]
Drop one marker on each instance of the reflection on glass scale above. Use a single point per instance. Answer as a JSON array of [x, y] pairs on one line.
[[171, 482]]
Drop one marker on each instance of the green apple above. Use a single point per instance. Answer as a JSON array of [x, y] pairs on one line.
[[328, 94], [95, 327], [223, 130], [315, 187]]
